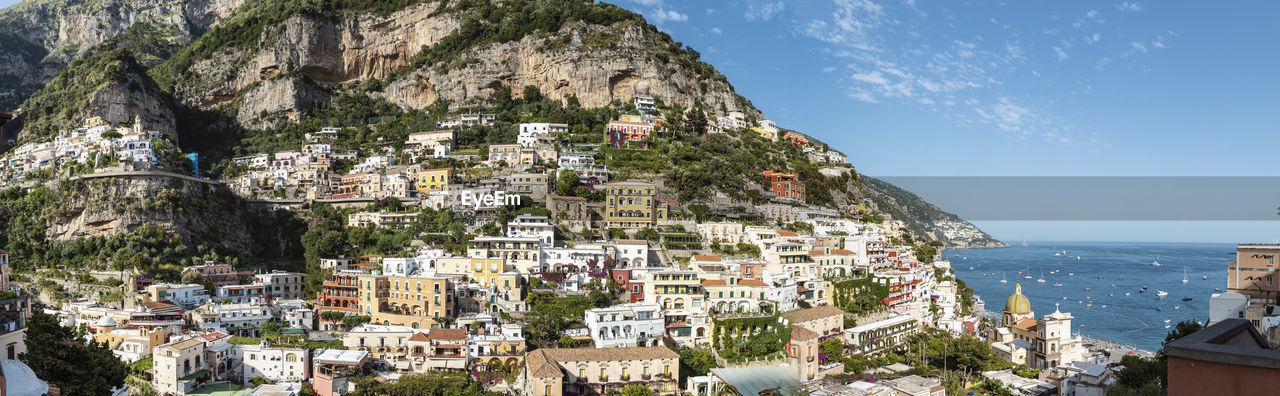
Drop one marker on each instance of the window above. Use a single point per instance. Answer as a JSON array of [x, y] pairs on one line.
[[603, 376]]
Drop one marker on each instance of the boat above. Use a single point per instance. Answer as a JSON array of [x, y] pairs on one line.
[[1002, 278], [1041, 280], [1184, 275], [1217, 289], [1161, 293], [1104, 306], [1071, 274], [1186, 299], [1177, 306], [1166, 320], [1077, 258], [1026, 277], [1099, 277], [1058, 285], [1142, 290], [971, 268], [1126, 294], [1056, 254], [1166, 326], [1158, 309], [1087, 289], [1204, 277], [1156, 262]]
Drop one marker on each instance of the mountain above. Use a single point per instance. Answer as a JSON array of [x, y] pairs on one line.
[[230, 78], [42, 36]]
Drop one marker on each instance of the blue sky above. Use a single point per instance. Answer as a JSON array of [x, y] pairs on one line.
[[1026, 88]]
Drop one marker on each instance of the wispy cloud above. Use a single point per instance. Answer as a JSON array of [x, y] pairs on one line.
[[1130, 7], [1060, 54], [660, 15], [716, 30], [763, 12]]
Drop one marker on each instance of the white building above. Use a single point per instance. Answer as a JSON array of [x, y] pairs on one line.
[[877, 337], [1229, 305], [626, 325], [276, 364], [530, 226], [531, 133], [185, 295], [282, 285]]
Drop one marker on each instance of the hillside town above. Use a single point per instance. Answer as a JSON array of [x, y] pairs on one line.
[[568, 279]]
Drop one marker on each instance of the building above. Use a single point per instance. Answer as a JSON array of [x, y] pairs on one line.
[[382, 342], [340, 293], [179, 367], [467, 119], [633, 204], [504, 155], [431, 180], [567, 209], [826, 321], [877, 337], [586, 371], [534, 185], [218, 274], [914, 385], [1255, 272], [381, 219], [275, 364], [14, 313], [406, 301], [430, 143], [644, 103], [1048, 341], [187, 296], [282, 285], [785, 185], [530, 226], [532, 133], [628, 134], [625, 325], [1083, 379], [332, 370], [1229, 357]]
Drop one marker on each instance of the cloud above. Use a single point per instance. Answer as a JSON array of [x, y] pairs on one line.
[[862, 96], [874, 77], [660, 15], [764, 12], [1062, 55], [1094, 38], [828, 69], [716, 30], [1127, 6]]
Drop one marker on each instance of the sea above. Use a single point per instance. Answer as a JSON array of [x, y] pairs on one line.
[[1103, 294]]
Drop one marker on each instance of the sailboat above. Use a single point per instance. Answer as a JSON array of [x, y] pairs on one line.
[[1002, 278], [1156, 262], [1041, 280], [1161, 293], [1184, 275]]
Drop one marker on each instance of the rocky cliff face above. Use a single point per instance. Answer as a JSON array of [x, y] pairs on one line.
[[42, 36], [112, 206], [373, 47]]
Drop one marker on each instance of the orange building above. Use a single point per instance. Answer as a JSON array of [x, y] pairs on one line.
[[786, 185], [1228, 358]]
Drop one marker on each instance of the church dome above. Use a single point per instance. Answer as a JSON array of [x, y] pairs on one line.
[[105, 321], [1018, 303]]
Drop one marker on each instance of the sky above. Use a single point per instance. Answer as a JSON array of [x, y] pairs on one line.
[[1013, 88]]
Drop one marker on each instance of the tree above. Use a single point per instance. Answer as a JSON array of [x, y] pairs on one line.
[[567, 183], [111, 135], [636, 390], [648, 234], [1183, 329], [57, 356], [696, 362], [532, 94], [445, 321]]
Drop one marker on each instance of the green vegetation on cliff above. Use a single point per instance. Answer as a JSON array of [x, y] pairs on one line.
[[54, 108]]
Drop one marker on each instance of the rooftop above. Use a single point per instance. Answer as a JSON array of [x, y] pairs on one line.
[[805, 315]]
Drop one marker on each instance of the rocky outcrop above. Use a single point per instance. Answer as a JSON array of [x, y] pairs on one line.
[[113, 206], [119, 103], [374, 47], [61, 30], [595, 75], [277, 99]]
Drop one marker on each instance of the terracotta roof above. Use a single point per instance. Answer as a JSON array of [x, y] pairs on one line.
[[162, 304], [816, 252], [751, 282], [713, 282], [418, 337], [787, 233], [800, 334], [541, 366], [632, 242], [184, 344], [805, 315], [214, 335], [701, 257], [1026, 324], [841, 251], [447, 334]]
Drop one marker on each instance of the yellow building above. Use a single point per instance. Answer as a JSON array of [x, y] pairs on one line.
[[633, 204], [486, 271], [430, 180], [406, 301], [771, 134]]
